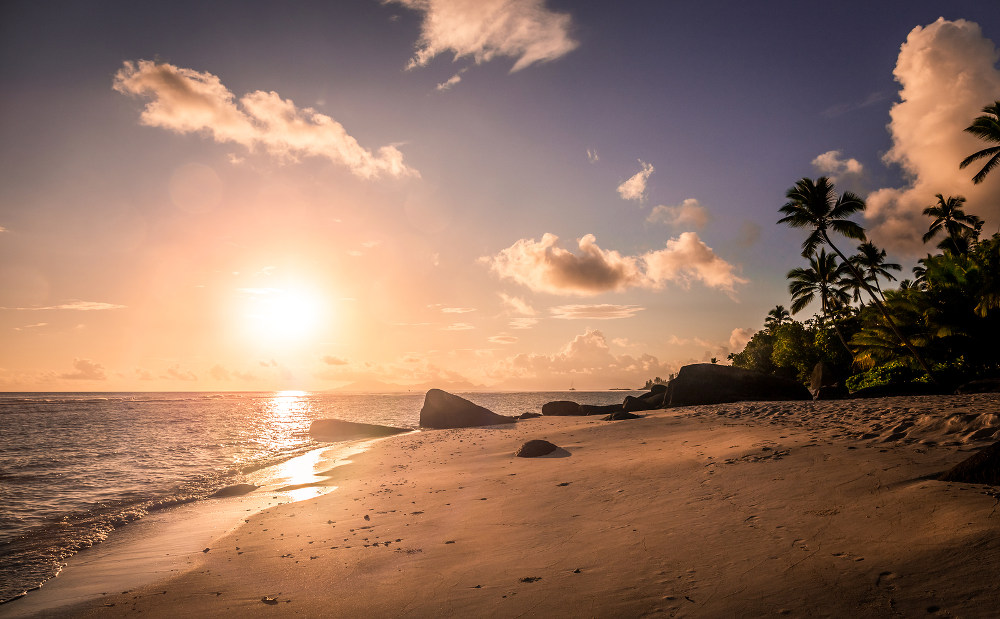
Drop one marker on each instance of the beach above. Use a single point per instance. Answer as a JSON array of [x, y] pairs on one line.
[[827, 508]]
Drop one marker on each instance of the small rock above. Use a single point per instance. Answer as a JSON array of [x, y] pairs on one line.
[[535, 448]]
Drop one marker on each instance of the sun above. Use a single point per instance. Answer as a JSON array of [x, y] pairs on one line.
[[284, 314]]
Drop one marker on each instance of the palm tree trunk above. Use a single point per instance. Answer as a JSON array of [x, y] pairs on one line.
[[885, 312]]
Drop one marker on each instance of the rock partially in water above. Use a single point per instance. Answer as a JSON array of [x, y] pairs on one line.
[[234, 490], [445, 410], [561, 408], [339, 430], [535, 448]]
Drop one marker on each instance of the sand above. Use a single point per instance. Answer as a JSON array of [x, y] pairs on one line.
[[751, 509]]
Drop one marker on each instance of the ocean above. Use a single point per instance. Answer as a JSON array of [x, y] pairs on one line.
[[74, 467]]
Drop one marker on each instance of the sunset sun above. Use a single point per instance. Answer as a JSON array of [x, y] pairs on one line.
[[284, 314]]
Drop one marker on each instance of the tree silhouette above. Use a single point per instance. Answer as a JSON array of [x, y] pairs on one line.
[[870, 260], [986, 128], [815, 205], [776, 317], [824, 278], [949, 216]]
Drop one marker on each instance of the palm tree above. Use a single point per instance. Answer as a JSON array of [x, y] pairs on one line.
[[815, 205], [870, 260], [824, 277], [776, 318], [986, 128], [950, 217]]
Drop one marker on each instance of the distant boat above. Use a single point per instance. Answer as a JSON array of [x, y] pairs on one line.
[[571, 387]]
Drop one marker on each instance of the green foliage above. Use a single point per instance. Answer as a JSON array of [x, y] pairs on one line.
[[896, 372], [756, 355]]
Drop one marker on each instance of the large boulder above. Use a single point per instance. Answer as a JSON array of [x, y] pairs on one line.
[[445, 410], [339, 430], [983, 467], [561, 408], [982, 385], [652, 400], [708, 383], [599, 409]]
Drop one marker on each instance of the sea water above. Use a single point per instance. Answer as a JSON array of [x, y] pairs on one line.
[[74, 467]]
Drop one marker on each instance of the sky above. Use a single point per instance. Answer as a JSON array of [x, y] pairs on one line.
[[399, 194]]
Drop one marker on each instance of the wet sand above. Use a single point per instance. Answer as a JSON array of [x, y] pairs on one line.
[[750, 509]]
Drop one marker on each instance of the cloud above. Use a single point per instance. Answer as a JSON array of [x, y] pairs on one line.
[[635, 187], [832, 164], [2, 229], [689, 212], [175, 372], [188, 101], [85, 369], [503, 338], [142, 374], [31, 326], [843, 108], [595, 312], [522, 323], [331, 360], [947, 72], [451, 81], [457, 310], [484, 29], [218, 372], [586, 361], [459, 326], [77, 306], [545, 267], [592, 156], [517, 305], [738, 339]]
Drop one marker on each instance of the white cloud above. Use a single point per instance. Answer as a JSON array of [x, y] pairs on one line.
[[689, 212], [457, 310], [484, 29], [331, 360], [188, 101], [545, 267], [603, 311], [586, 361], [219, 373], [503, 338], [451, 81], [517, 305], [85, 369], [592, 156], [2, 229], [459, 326], [738, 339], [947, 73], [31, 326], [832, 164], [175, 372], [77, 306], [635, 187], [522, 323]]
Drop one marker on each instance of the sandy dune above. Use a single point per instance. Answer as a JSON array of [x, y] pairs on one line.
[[751, 509]]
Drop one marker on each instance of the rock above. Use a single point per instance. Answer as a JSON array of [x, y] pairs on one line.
[[822, 376], [235, 490], [982, 467], [561, 408], [710, 383], [658, 388], [535, 448], [529, 415], [338, 430], [646, 402], [621, 415], [982, 385], [445, 410], [594, 409]]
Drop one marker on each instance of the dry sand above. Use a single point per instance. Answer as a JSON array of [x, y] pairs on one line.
[[750, 509]]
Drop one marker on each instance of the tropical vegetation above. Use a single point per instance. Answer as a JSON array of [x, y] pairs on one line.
[[942, 326]]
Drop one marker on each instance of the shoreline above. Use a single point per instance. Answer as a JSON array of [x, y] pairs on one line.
[[171, 541], [751, 508]]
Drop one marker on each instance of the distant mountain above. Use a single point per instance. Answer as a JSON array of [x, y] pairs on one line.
[[377, 386]]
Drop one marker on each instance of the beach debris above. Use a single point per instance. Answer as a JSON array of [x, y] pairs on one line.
[[535, 448], [531, 579], [234, 490], [206, 550], [445, 410], [983, 467], [367, 517], [561, 408], [269, 600]]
